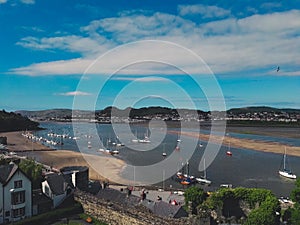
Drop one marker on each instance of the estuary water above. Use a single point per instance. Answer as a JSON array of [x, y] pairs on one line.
[[245, 168]]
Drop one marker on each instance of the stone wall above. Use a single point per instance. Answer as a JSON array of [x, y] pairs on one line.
[[118, 214]]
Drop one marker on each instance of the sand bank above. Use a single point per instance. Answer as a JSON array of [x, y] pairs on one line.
[[98, 165], [16, 142], [107, 165], [256, 145]]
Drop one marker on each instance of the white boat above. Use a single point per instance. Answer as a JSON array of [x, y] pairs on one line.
[[114, 152], [203, 180], [101, 150], [285, 171], [146, 139], [164, 152]]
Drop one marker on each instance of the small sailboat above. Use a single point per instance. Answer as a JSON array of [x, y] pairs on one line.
[[228, 152], [186, 178], [146, 139], [164, 154], [135, 140], [203, 180], [285, 171]]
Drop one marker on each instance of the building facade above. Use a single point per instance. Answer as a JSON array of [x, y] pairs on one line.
[[15, 194]]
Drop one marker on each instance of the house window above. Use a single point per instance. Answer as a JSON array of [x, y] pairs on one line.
[[18, 212], [7, 214], [18, 184], [18, 197]]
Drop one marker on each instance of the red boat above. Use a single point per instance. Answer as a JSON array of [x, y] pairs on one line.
[[229, 153]]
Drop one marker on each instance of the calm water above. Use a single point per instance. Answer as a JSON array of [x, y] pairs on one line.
[[245, 168]]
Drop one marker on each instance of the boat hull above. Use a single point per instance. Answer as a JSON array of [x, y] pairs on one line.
[[203, 181], [287, 174]]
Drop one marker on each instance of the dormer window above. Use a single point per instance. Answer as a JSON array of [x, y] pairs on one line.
[[18, 184]]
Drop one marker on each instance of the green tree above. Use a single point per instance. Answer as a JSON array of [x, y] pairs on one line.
[[195, 196], [295, 196], [295, 215], [266, 214], [33, 171]]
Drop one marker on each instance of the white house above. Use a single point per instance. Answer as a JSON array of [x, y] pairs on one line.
[[57, 188], [15, 194]]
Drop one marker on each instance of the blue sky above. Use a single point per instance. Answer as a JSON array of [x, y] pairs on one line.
[[47, 46]]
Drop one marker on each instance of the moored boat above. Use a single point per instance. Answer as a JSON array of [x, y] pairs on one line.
[[285, 171]]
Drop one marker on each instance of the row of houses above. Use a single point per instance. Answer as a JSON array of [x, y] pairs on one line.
[[18, 200]]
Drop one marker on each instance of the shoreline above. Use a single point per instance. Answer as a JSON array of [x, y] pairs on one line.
[[61, 158], [113, 167], [262, 146]]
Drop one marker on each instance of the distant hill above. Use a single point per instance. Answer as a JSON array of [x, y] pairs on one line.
[[46, 113], [260, 109], [247, 115], [153, 110], [10, 121], [67, 113], [52, 113]]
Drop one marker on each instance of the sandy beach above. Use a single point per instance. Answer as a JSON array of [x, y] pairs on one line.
[[16, 142], [263, 146], [62, 158]]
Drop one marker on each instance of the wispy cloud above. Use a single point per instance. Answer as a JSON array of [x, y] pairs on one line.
[[271, 5], [28, 1], [62, 67], [203, 10], [32, 29], [138, 79], [75, 93], [228, 45], [71, 43], [22, 1]]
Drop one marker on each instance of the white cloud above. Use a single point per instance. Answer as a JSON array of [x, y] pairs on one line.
[[28, 1], [271, 5], [75, 93], [71, 43], [62, 67], [227, 45], [3, 1], [142, 80], [203, 10]]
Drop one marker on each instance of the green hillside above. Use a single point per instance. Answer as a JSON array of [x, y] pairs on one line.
[[10, 121]]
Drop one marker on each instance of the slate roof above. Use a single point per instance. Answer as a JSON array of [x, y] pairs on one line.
[[159, 208], [6, 172], [164, 209], [113, 195], [57, 183]]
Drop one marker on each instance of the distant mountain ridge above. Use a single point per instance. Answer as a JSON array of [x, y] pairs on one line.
[[259, 109], [146, 111]]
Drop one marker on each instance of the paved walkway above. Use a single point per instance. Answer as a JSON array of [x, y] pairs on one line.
[[152, 195]]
